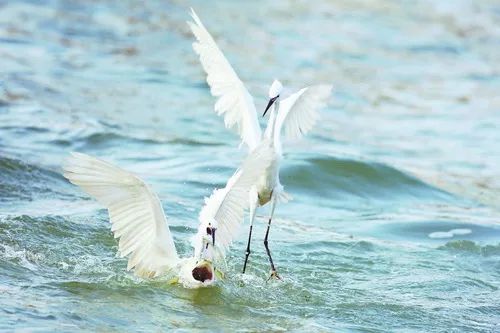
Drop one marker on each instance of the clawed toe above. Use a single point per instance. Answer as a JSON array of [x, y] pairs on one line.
[[275, 275]]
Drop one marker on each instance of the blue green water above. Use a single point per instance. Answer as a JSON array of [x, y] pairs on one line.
[[394, 225]]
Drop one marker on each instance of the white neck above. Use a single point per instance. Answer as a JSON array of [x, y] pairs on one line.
[[271, 124], [270, 132]]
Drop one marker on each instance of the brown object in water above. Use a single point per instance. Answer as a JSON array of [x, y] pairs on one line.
[[202, 273]]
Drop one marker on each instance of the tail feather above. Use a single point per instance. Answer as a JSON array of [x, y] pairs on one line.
[[283, 197]]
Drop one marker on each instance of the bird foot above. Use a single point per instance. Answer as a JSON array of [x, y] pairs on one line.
[[275, 275]]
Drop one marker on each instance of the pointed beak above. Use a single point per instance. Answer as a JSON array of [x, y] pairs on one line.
[[271, 101], [213, 236]]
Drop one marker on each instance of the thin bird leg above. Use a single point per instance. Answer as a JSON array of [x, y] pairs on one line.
[[254, 201], [273, 269]]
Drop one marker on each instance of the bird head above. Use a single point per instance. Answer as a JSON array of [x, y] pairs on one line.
[[203, 270], [211, 232], [274, 94]]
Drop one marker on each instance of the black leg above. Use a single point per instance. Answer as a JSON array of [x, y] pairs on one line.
[[266, 244], [247, 253], [253, 210]]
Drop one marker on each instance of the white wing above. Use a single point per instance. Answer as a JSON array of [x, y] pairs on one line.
[[135, 213], [299, 112], [234, 100], [227, 205]]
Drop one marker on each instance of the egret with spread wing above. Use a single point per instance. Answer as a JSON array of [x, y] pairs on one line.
[[294, 116], [138, 220]]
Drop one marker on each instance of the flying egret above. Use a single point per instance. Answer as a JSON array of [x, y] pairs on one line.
[[295, 115], [138, 220]]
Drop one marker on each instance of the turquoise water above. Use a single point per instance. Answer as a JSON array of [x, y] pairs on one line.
[[394, 226]]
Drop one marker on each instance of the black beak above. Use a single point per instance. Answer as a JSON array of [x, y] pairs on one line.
[[271, 101]]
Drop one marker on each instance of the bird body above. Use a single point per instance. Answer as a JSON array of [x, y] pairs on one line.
[[293, 117], [268, 181], [138, 221]]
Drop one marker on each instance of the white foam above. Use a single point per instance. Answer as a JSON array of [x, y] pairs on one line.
[[450, 233], [461, 231], [441, 234]]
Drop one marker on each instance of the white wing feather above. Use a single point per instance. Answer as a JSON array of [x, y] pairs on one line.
[[135, 213], [234, 100], [227, 205], [299, 112]]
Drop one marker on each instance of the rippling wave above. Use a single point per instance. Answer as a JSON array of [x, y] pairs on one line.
[[339, 177], [22, 181], [467, 246]]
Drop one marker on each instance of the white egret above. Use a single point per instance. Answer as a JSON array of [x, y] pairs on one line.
[[138, 220], [295, 115]]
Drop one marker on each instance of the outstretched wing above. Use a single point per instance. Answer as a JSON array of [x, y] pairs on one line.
[[135, 213], [227, 205], [299, 112], [234, 100]]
